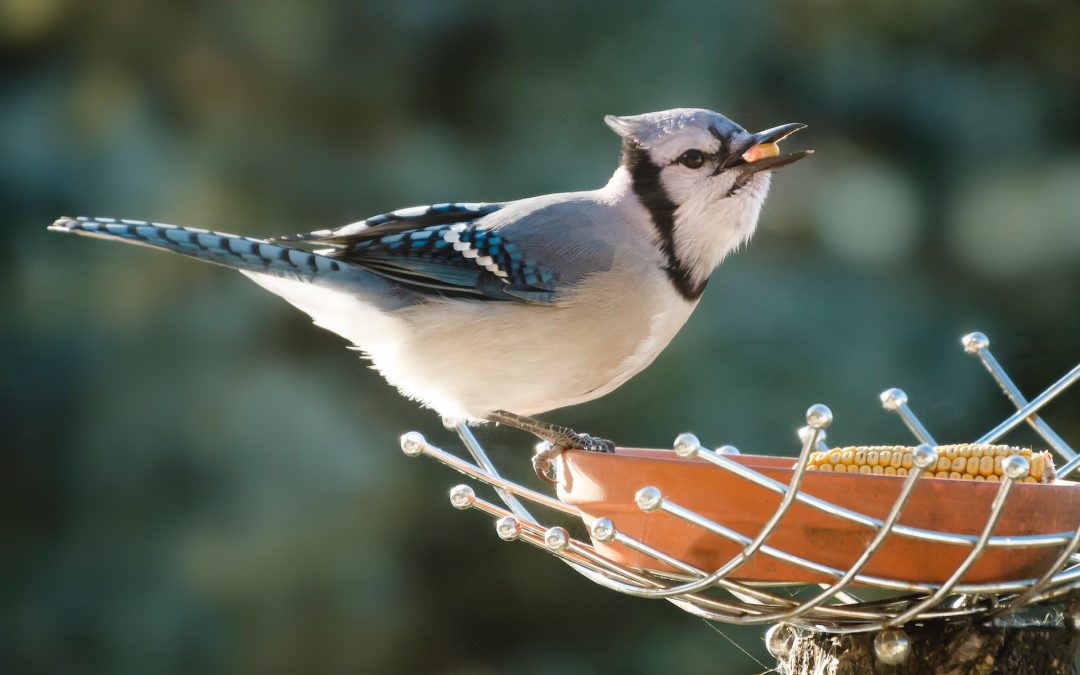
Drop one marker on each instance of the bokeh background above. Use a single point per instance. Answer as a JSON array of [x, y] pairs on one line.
[[195, 479]]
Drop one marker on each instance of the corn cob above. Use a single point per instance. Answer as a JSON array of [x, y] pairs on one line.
[[965, 461]]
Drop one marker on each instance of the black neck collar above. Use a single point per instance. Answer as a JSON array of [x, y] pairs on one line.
[[645, 180]]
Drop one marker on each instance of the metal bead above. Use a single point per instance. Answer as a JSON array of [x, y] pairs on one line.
[[779, 640], [892, 646], [1015, 466], [462, 496], [603, 530], [893, 399], [687, 445], [508, 528], [1072, 616], [818, 416], [556, 539], [413, 444], [648, 498], [451, 422], [924, 456], [728, 450], [975, 342]]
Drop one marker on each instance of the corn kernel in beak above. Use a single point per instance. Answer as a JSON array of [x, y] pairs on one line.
[[761, 151]]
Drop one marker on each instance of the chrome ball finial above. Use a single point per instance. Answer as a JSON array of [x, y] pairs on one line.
[[818, 416], [556, 539], [451, 422], [648, 498], [508, 528], [893, 399], [462, 496], [1015, 467], [975, 342], [892, 646], [413, 443], [603, 530], [728, 450], [924, 456], [779, 640], [687, 445]]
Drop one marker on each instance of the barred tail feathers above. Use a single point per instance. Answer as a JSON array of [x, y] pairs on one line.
[[244, 253]]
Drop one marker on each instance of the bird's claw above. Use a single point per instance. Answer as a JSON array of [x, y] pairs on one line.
[[543, 461]]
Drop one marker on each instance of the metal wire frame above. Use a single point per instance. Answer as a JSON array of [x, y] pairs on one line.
[[833, 608]]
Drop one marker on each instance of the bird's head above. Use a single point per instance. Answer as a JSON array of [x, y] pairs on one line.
[[703, 179]]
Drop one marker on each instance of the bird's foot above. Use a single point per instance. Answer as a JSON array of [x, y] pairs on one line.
[[565, 439], [556, 440]]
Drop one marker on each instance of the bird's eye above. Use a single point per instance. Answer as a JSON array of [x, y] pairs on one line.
[[692, 159]]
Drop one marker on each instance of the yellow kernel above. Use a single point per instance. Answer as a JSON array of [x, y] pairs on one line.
[[1029, 479], [897, 459], [847, 456], [993, 478], [972, 465], [826, 467], [890, 471], [950, 451], [1001, 451], [834, 457], [884, 457], [943, 464], [864, 469], [1038, 466], [901, 471], [986, 465], [981, 478], [840, 468], [818, 457], [958, 464], [860, 458], [871, 457], [955, 475], [876, 470], [908, 461], [1026, 452], [965, 451]]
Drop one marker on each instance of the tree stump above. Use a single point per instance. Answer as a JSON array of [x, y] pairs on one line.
[[941, 648]]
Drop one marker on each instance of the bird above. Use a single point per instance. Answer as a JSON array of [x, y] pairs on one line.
[[501, 311]]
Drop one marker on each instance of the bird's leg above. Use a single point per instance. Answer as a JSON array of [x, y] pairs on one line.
[[560, 438]]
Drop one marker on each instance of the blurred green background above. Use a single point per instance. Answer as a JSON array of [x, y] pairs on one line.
[[195, 479]]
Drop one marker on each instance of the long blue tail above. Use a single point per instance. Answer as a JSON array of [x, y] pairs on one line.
[[245, 253]]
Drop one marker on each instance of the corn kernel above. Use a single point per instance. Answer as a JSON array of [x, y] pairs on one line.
[[972, 465]]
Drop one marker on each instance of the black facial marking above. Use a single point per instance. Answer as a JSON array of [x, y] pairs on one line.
[[645, 179]]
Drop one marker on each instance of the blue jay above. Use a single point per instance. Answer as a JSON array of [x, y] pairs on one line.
[[499, 311]]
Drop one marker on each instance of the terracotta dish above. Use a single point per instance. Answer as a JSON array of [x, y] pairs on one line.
[[603, 486]]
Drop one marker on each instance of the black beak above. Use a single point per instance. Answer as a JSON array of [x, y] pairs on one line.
[[774, 135]]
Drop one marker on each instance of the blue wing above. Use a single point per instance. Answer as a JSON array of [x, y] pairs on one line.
[[440, 250], [398, 221]]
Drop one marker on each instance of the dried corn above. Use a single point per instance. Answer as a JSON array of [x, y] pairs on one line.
[[965, 461]]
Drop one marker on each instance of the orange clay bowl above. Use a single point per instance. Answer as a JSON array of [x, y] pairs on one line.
[[603, 486]]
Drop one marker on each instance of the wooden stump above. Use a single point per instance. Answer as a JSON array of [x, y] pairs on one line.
[[954, 648]]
